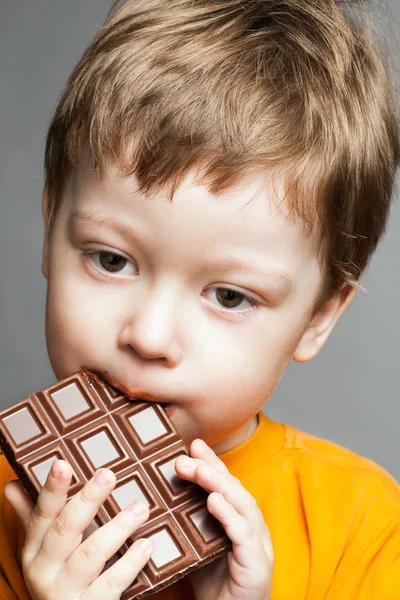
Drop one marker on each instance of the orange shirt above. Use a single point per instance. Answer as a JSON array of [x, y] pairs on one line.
[[334, 519]]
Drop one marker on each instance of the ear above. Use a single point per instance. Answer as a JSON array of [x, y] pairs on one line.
[[323, 323], [45, 251]]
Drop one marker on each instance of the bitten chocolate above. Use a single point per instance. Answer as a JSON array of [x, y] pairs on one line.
[[88, 423]]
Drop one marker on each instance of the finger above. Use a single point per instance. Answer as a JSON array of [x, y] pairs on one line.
[[50, 502], [249, 561], [213, 480], [199, 449], [20, 501], [89, 559], [185, 466], [201, 472], [114, 581], [65, 533]]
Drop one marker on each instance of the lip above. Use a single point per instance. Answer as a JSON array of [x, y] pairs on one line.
[[139, 394], [169, 409]]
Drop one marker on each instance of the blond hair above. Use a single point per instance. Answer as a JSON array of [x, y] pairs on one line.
[[293, 88]]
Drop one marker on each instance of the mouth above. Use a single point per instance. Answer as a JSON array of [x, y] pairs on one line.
[[140, 395], [167, 407], [146, 397]]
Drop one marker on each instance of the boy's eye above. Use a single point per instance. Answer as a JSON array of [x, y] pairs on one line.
[[232, 299], [229, 298], [111, 262]]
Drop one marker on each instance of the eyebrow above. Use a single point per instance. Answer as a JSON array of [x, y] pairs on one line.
[[89, 217], [93, 217], [235, 264], [223, 263]]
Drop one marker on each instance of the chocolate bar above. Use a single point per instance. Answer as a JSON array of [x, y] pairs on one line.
[[88, 423]]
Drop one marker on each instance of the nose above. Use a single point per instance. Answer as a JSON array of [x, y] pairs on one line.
[[151, 329]]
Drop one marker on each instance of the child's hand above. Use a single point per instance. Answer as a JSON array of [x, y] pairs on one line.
[[56, 563], [246, 572]]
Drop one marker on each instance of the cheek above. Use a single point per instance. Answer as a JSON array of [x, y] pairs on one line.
[[241, 377], [76, 332]]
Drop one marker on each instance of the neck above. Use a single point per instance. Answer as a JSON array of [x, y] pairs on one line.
[[237, 438]]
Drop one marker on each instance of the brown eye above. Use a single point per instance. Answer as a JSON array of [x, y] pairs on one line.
[[113, 263], [229, 298]]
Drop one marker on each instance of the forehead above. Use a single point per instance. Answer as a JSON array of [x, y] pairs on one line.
[[254, 213]]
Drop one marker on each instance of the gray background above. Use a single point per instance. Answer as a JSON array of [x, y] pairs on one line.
[[349, 393]]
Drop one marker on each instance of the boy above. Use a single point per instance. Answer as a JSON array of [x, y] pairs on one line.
[[218, 174]]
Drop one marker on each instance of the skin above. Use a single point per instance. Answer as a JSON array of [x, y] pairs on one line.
[[140, 290]]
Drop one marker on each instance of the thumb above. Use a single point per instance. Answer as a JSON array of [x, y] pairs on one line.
[[20, 501]]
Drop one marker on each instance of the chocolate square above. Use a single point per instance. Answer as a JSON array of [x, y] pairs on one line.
[[90, 424]]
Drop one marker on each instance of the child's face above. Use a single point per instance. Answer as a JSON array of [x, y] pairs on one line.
[[155, 317]]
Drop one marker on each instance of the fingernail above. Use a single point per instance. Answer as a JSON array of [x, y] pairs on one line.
[[55, 469], [144, 545], [137, 508], [102, 477], [186, 461], [202, 444]]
